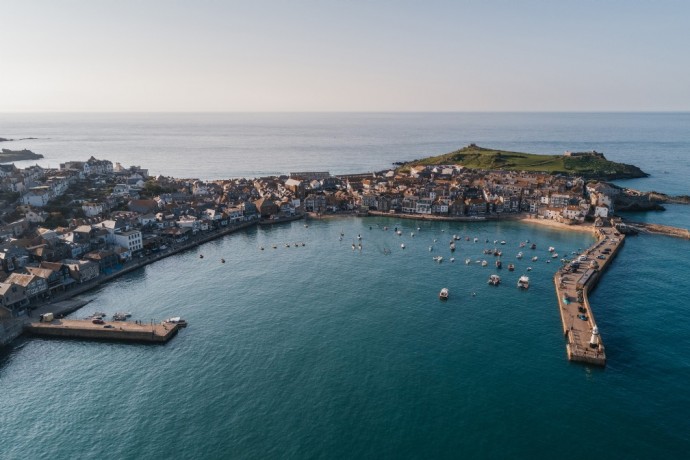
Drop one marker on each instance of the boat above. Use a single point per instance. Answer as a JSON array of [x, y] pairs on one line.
[[359, 237], [201, 256], [522, 244], [554, 255], [402, 245], [452, 259], [120, 317], [222, 261], [431, 248], [412, 234], [499, 264], [494, 280], [511, 267], [535, 258], [476, 240], [275, 246], [523, 282], [261, 247], [468, 261], [551, 249], [519, 255], [484, 263], [452, 247], [398, 232], [176, 320], [353, 246], [529, 269], [534, 246], [443, 295], [438, 259], [503, 242]]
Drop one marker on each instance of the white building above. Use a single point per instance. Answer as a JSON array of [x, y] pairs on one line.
[[130, 239]]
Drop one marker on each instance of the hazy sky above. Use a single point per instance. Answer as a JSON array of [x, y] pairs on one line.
[[294, 55]]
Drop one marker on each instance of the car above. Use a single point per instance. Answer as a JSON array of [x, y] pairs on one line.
[[98, 321], [601, 256], [109, 326]]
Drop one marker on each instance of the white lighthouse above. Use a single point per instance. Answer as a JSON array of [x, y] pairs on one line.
[[594, 341]]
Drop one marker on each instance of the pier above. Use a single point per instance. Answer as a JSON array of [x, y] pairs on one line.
[[108, 330], [583, 342]]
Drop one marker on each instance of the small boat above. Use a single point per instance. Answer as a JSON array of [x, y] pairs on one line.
[[484, 263], [511, 267], [431, 248], [551, 249], [468, 261], [452, 247], [398, 232], [522, 244], [494, 280], [523, 282], [499, 264], [519, 255], [353, 246], [534, 246], [201, 256], [261, 247], [359, 237], [529, 269], [306, 225], [503, 242], [402, 245], [275, 246], [554, 255], [287, 245], [452, 259], [222, 261], [438, 259], [443, 295], [176, 320], [303, 244], [476, 240], [535, 258], [120, 317]]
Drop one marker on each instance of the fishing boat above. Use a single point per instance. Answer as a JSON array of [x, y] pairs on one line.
[[523, 282], [176, 320], [494, 280], [554, 255], [484, 263], [499, 264], [511, 267], [551, 249], [443, 295], [519, 255]]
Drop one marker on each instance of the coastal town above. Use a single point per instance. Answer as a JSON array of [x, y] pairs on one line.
[[70, 228]]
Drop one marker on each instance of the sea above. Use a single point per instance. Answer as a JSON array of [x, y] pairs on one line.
[[309, 348]]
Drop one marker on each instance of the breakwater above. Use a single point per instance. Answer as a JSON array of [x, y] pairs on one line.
[[105, 330], [573, 283]]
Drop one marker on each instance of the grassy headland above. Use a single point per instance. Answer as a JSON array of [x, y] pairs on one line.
[[590, 165]]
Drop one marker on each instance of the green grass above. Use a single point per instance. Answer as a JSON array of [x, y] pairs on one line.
[[475, 157]]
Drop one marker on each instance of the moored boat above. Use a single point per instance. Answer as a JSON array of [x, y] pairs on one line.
[[443, 295], [494, 280], [511, 267], [523, 282]]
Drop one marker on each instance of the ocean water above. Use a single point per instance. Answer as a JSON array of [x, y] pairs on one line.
[[319, 351], [258, 144]]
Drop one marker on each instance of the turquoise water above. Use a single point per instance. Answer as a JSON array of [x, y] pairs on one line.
[[324, 352]]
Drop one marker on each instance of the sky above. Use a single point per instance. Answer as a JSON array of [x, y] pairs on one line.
[[347, 55]]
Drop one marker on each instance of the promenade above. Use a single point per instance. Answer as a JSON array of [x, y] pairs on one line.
[[583, 340]]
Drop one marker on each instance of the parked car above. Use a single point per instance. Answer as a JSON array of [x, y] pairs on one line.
[[98, 321]]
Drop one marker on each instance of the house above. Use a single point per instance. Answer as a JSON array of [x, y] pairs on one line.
[[130, 240], [142, 206], [92, 209], [82, 270], [53, 278], [266, 207], [13, 297], [35, 286], [104, 258]]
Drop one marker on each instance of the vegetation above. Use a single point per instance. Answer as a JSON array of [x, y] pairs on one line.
[[590, 165]]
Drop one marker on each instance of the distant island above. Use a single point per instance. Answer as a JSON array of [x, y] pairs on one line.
[[2, 139], [7, 155], [590, 165]]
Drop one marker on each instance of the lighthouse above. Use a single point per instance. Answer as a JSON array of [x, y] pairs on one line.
[[594, 341]]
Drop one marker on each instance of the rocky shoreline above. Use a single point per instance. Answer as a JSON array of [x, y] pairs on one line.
[[7, 155]]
